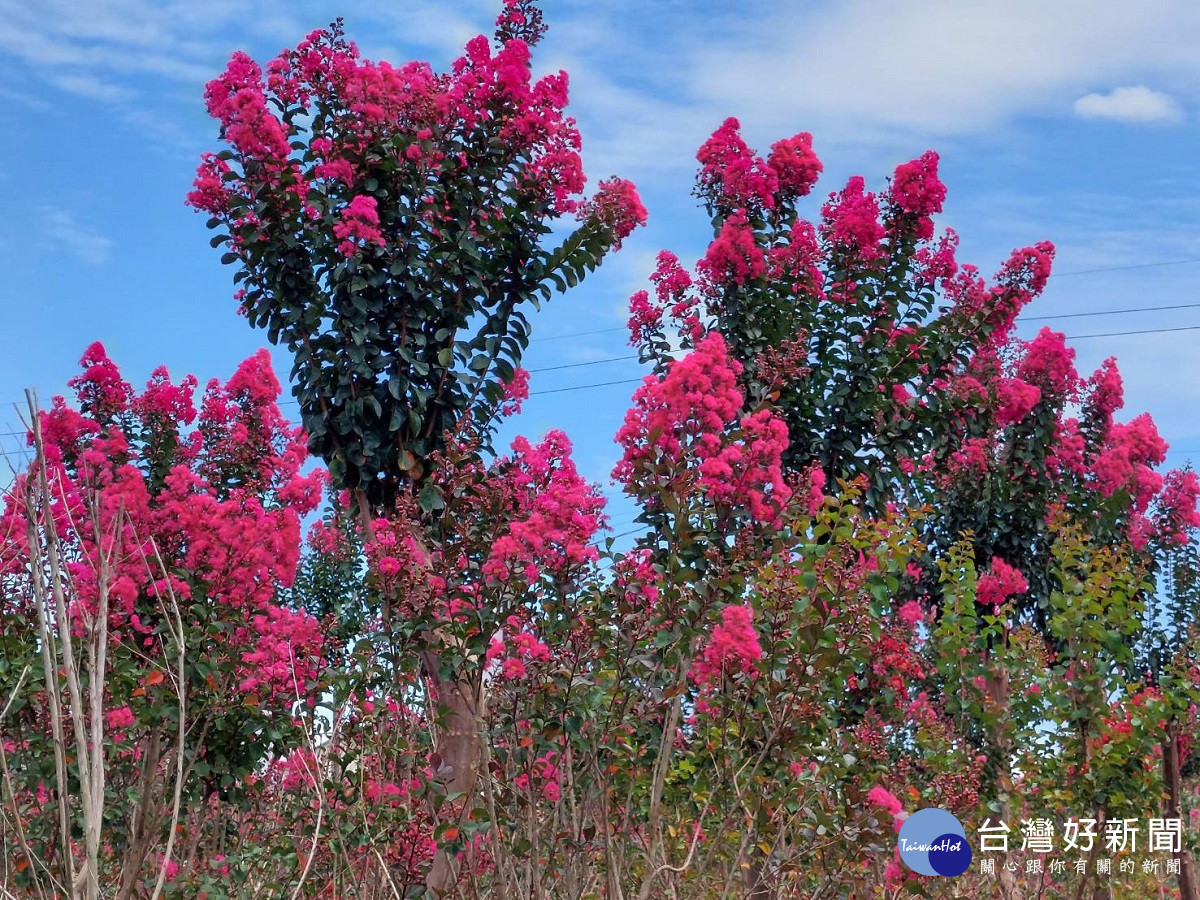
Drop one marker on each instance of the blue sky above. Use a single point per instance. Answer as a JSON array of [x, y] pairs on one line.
[[1068, 120]]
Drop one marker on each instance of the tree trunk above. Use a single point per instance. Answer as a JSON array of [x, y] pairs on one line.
[[754, 878], [996, 688], [456, 704], [1171, 781], [458, 745]]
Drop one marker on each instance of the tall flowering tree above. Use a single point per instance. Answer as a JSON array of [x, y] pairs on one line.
[[390, 226], [890, 361]]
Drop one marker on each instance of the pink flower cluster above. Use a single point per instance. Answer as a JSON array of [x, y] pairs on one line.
[[1107, 393], [732, 649], [545, 774], [734, 256], [1028, 269], [173, 403], [209, 192], [850, 221], [380, 95], [638, 580], [102, 392], [120, 717], [535, 126], [516, 392], [438, 128], [645, 317], [1000, 582], [398, 561], [918, 193], [1015, 399], [885, 800], [238, 100], [732, 176], [516, 651], [220, 506], [359, 221], [521, 19], [795, 165], [555, 512], [1067, 452], [1049, 364], [687, 425], [910, 613], [285, 654], [937, 263], [798, 262], [616, 207], [672, 296], [1126, 461], [1019, 280], [972, 458], [1178, 518]]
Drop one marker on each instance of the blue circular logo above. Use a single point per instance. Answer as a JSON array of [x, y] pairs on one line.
[[933, 842]]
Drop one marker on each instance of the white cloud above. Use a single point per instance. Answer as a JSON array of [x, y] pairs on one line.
[[90, 87], [60, 228], [1129, 104], [939, 66]]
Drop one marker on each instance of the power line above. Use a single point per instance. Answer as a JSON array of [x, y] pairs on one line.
[[1080, 337], [1108, 312], [1112, 312], [1136, 309], [627, 533], [1153, 265], [562, 390], [578, 365], [573, 334], [600, 384], [584, 387], [630, 357], [616, 537]]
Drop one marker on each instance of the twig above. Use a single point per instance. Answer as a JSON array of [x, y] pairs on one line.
[[179, 636]]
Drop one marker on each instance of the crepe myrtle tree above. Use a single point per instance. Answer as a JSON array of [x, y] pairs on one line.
[[391, 226], [889, 359]]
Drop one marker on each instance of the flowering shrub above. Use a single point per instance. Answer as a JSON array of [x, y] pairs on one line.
[[164, 549]]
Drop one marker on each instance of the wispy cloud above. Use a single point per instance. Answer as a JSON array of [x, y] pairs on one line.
[[942, 67], [90, 87], [25, 99], [60, 228], [1129, 104]]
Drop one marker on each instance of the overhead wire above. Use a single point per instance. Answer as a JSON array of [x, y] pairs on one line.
[[600, 384], [1081, 337], [1090, 313], [626, 381], [1111, 312], [580, 365], [1124, 268]]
